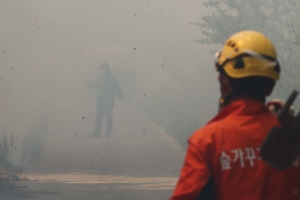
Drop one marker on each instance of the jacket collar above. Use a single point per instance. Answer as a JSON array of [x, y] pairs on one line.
[[240, 107]]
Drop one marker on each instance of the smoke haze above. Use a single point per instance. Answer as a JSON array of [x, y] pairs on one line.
[[49, 50]]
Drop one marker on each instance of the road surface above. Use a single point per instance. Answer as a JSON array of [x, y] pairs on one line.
[[139, 161]]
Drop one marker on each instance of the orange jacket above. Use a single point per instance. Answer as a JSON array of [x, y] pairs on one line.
[[226, 150]]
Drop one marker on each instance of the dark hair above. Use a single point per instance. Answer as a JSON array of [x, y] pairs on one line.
[[254, 85]]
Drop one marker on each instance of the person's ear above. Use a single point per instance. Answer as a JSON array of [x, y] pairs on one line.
[[225, 86]]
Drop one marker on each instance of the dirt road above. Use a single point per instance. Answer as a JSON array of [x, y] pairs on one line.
[[139, 161]]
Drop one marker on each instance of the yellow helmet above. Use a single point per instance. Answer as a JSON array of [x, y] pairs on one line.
[[248, 53]]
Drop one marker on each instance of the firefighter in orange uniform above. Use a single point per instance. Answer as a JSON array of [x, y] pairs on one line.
[[223, 158]]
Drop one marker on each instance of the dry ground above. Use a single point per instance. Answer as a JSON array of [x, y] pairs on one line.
[[139, 161]]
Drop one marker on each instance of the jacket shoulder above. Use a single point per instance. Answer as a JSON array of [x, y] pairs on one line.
[[204, 134]]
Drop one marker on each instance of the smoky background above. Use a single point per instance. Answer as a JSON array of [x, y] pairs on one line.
[[49, 49]]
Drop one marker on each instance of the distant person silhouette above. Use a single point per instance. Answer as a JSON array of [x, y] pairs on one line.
[[107, 86]]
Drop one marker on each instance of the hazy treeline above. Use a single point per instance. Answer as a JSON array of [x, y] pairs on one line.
[[278, 19]]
